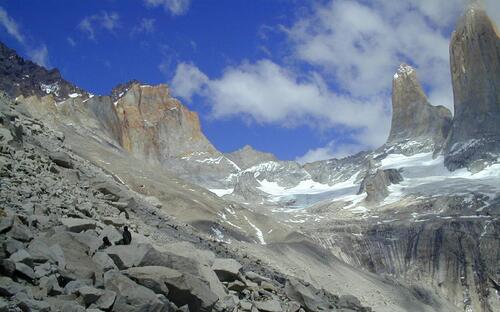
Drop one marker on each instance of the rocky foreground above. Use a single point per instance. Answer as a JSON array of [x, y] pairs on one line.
[[55, 210]]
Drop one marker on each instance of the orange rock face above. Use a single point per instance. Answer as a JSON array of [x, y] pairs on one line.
[[156, 126]]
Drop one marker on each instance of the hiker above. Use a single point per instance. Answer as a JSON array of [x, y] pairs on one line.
[[105, 243], [127, 236]]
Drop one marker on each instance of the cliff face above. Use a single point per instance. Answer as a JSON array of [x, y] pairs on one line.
[[413, 117], [475, 71], [156, 126]]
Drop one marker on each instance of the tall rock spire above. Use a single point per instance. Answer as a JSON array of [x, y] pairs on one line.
[[475, 71], [413, 117]]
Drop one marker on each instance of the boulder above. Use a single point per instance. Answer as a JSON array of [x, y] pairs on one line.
[[106, 300], [104, 261], [41, 252], [77, 263], [25, 271], [20, 231], [349, 302], [254, 277], [50, 285], [76, 225], [272, 305], [100, 298], [237, 286], [44, 269], [227, 270], [131, 297], [61, 159], [11, 246], [180, 288], [5, 224], [8, 287], [309, 297], [22, 256], [7, 267], [127, 256], [25, 303]]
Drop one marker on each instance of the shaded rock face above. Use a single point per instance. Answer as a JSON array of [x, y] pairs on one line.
[[475, 71], [23, 77], [454, 257], [247, 157], [413, 117], [375, 184], [246, 187]]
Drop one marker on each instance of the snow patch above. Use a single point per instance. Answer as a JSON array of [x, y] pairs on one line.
[[258, 232], [221, 192], [50, 88]]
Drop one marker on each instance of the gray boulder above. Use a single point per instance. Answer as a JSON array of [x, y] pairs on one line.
[[22, 256], [99, 298], [20, 231], [309, 297], [180, 288], [268, 305], [25, 271], [127, 256], [131, 297], [8, 287], [227, 270], [61, 159], [77, 225]]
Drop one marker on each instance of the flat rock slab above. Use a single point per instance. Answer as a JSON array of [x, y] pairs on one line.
[[131, 297], [268, 306], [227, 270], [77, 225], [61, 159], [180, 288]]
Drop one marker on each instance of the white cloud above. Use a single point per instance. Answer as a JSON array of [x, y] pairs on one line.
[[11, 26], [40, 55], [147, 25], [187, 81], [71, 41], [268, 93], [103, 20], [351, 49], [359, 45], [175, 7]]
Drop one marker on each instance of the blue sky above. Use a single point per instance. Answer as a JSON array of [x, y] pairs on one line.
[[304, 80]]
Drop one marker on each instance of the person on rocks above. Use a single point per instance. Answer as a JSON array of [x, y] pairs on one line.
[[127, 236], [105, 243]]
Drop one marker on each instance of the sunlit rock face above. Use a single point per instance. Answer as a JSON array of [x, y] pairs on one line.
[[413, 117], [156, 126], [475, 72]]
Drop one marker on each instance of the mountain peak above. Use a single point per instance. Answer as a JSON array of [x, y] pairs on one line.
[[404, 70], [23, 77], [475, 73], [247, 157], [413, 117]]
